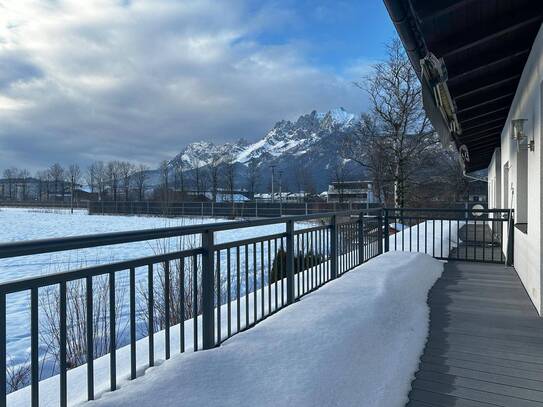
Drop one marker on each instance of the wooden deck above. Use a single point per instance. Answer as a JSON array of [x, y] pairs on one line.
[[485, 345]]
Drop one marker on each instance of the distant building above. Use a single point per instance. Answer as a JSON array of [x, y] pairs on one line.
[[477, 191], [350, 192], [222, 196]]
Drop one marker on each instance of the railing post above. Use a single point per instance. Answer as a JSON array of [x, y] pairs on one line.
[[379, 234], [290, 262], [333, 247], [386, 231], [208, 290], [510, 240], [361, 238]]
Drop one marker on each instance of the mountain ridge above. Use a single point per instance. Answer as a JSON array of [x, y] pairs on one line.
[[304, 150]]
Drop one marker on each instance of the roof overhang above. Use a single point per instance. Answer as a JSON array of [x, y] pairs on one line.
[[483, 47]]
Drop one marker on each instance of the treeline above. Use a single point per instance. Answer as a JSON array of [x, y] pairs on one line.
[[123, 180]]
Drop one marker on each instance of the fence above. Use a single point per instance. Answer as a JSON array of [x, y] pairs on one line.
[[253, 209], [476, 234], [44, 204], [220, 289]]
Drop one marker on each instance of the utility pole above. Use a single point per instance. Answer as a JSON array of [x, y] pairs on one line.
[[280, 193], [272, 182], [280, 187]]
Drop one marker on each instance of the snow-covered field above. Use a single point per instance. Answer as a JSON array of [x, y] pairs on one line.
[[28, 224], [355, 341]]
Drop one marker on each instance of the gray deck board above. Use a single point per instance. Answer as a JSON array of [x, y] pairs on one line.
[[485, 343]]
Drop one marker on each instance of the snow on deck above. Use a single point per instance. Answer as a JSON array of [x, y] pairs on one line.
[[355, 341]]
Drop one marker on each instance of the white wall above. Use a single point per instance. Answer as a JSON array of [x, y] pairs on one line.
[[527, 104]]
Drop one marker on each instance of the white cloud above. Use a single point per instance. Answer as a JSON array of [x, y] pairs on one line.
[[137, 80]]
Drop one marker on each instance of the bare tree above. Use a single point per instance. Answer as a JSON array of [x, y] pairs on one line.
[[230, 175], [252, 177], [366, 147], [56, 173], [23, 176], [100, 178], [126, 170], [396, 107], [165, 175], [214, 166], [91, 176], [77, 318], [112, 171], [339, 177], [74, 176], [41, 176], [10, 174], [179, 176], [140, 177]]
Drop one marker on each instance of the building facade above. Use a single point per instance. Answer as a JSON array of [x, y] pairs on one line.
[[350, 192]]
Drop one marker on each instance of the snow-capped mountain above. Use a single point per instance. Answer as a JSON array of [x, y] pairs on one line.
[[307, 146], [286, 137]]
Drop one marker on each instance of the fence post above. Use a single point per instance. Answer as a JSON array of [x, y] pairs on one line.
[[361, 238], [386, 231], [208, 290], [333, 247], [290, 262], [379, 233]]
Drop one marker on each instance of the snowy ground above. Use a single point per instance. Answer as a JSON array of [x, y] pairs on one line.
[[355, 341]]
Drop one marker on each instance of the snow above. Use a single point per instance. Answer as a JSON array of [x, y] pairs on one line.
[[434, 237], [355, 341], [397, 226], [28, 224], [315, 335]]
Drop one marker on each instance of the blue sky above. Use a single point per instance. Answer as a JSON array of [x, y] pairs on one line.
[[335, 34], [139, 79]]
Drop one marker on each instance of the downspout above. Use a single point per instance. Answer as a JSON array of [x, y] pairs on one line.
[[407, 27]]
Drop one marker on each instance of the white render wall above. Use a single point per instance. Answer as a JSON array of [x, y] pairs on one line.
[[527, 104]]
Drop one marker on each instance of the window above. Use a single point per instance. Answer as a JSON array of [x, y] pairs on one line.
[[521, 207]]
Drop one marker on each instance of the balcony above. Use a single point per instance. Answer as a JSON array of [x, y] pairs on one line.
[[232, 286]]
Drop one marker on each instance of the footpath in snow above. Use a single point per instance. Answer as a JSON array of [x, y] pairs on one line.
[[355, 341]]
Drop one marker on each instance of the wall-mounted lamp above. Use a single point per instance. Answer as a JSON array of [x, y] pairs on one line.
[[519, 135]]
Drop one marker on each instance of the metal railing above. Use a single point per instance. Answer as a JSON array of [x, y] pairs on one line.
[[213, 290], [474, 234], [224, 288], [249, 209]]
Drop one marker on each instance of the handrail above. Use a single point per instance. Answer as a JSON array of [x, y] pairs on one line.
[[25, 248], [447, 210], [28, 283]]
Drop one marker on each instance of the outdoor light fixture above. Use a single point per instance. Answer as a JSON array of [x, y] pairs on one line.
[[464, 153], [519, 135]]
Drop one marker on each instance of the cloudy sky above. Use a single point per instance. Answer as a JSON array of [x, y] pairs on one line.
[[139, 79]]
